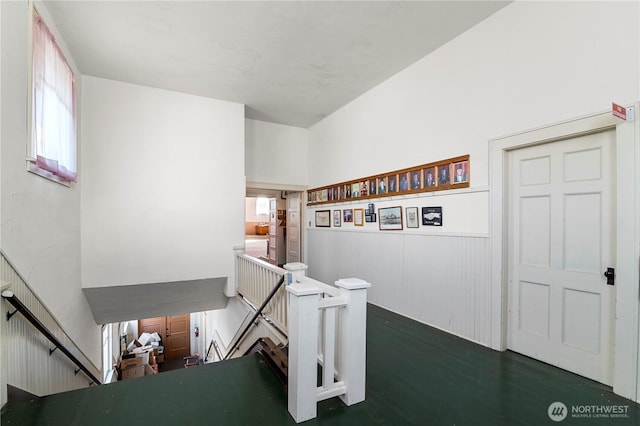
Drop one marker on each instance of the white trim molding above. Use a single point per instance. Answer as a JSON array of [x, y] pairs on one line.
[[626, 376]]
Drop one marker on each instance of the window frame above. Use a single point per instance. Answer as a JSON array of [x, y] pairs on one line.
[[31, 155]]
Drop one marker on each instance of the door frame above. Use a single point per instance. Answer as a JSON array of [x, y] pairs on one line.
[[626, 374], [252, 188]]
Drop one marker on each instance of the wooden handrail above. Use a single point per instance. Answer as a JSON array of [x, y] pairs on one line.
[[20, 307]]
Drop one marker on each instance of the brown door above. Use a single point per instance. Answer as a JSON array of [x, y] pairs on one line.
[[177, 342], [151, 325], [174, 331]]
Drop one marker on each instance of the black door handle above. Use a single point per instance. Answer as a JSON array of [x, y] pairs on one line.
[[610, 273]]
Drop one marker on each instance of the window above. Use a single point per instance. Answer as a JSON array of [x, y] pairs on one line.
[[52, 151], [262, 206]]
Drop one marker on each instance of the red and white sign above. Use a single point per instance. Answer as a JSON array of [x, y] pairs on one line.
[[619, 111]]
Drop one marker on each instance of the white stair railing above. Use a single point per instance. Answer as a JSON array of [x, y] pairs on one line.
[[325, 324], [314, 317], [255, 280]]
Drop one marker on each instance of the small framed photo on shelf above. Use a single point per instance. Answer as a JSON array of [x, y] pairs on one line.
[[355, 190], [444, 174], [429, 175], [403, 182], [372, 187], [337, 218], [412, 217], [382, 185], [358, 217], [390, 218], [323, 218], [416, 182], [347, 189], [347, 215], [364, 189], [460, 172], [392, 183]]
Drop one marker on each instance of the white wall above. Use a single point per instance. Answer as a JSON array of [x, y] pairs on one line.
[[163, 190], [531, 64], [40, 219], [275, 153]]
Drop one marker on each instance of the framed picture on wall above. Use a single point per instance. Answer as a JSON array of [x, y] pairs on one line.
[[416, 182], [390, 218], [403, 182], [382, 185], [392, 183], [412, 217], [337, 218], [358, 217], [444, 174], [432, 216], [323, 218], [372, 187], [347, 215], [460, 172], [429, 177]]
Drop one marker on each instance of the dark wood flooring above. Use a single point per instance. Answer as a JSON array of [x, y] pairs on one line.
[[416, 375]]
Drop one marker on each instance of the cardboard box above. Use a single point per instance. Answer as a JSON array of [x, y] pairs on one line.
[[130, 362], [133, 372]]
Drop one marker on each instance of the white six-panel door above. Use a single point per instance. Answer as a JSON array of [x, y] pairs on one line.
[[561, 240]]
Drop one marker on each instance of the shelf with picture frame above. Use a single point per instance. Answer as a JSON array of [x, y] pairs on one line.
[[452, 173]]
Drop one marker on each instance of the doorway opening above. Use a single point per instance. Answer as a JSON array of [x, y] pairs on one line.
[[275, 236]]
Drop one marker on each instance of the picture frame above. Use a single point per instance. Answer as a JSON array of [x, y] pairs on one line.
[[355, 190], [432, 216], [337, 218], [444, 174], [392, 184], [382, 185], [323, 218], [358, 217], [460, 172], [403, 182], [390, 218], [364, 190], [415, 181], [412, 217], [372, 187], [429, 177], [347, 215]]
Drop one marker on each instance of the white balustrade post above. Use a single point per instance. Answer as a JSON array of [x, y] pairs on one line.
[[303, 350], [352, 332], [297, 269]]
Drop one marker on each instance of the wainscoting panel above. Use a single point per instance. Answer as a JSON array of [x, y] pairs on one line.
[[24, 356], [440, 280]]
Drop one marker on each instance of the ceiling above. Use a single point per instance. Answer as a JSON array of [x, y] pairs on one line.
[[289, 62]]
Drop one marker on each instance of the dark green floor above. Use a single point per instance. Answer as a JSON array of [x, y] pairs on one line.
[[416, 375]]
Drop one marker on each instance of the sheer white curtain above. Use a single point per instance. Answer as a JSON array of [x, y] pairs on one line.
[[54, 109]]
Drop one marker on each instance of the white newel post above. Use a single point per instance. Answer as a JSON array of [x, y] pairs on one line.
[[303, 350], [297, 269], [352, 346]]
